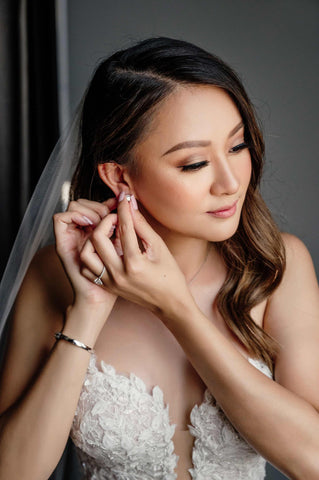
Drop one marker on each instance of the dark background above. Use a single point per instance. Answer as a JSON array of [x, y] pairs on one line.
[[45, 67]]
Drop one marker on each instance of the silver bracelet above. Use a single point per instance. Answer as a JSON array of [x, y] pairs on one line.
[[77, 343]]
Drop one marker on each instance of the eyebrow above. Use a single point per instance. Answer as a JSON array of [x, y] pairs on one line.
[[200, 143]]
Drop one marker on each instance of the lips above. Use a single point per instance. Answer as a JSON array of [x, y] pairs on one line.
[[225, 212]]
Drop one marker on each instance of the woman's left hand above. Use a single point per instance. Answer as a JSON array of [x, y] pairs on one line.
[[149, 276]]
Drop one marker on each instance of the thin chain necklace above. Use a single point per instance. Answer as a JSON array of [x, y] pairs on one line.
[[200, 267]]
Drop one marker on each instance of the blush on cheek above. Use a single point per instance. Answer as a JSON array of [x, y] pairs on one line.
[[165, 203], [159, 193]]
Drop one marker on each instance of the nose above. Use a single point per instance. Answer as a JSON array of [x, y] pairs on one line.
[[225, 181]]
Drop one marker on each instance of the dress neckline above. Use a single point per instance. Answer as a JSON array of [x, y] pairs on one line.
[[208, 411], [156, 392]]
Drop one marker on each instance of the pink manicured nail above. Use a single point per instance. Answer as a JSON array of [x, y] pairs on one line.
[[134, 202], [87, 220], [112, 230], [118, 250], [121, 196]]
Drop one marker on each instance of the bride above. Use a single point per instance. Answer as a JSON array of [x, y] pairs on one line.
[[172, 329]]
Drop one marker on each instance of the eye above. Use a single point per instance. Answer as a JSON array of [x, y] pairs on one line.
[[194, 166], [239, 147]]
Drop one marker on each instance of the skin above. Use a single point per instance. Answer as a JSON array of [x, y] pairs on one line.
[[150, 294]]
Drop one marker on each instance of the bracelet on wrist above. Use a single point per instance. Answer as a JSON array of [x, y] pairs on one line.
[[76, 343]]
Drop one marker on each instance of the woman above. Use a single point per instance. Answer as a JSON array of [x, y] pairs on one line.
[[174, 272]]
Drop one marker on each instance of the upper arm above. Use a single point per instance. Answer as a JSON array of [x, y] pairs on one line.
[[36, 316], [292, 318]]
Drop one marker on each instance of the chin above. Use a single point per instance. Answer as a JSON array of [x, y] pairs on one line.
[[223, 233]]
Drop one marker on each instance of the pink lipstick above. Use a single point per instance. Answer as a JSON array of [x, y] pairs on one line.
[[225, 212]]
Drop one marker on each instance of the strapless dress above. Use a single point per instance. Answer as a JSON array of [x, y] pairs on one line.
[[123, 432]]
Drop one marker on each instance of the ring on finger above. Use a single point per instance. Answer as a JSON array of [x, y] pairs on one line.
[[98, 280]]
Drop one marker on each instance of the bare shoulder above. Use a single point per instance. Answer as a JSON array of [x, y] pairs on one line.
[[299, 286], [296, 251], [292, 318], [37, 314], [300, 276]]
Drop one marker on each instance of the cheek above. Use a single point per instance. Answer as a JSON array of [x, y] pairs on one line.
[[244, 171], [165, 196], [168, 199]]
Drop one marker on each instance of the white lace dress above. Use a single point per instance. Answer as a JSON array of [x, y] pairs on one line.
[[123, 432]]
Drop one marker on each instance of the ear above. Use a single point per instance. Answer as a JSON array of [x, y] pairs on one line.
[[116, 177]]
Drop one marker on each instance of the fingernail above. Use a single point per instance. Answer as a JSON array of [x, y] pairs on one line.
[[87, 220], [134, 202], [110, 205], [121, 196], [112, 230], [118, 250]]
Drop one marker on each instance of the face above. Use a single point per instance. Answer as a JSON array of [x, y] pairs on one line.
[[194, 166]]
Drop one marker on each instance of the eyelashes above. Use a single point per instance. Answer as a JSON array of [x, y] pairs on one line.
[[239, 147], [194, 166], [204, 163]]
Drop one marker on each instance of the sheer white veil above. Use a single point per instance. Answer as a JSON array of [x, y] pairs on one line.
[[50, 195]]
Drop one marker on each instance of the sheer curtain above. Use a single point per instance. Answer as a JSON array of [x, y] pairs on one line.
[[29, 125]]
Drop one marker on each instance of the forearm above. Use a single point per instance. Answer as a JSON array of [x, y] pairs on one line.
[[283, 427], [35, 430]]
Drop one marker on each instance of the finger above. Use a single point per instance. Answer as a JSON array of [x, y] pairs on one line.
[[102, 208], [91, 259], [93, 211], [144, 230], [64, 219], [92, 265], [111, 203], [85, 272], [117, 242], [101, 240], [127, 233], [66, 223]]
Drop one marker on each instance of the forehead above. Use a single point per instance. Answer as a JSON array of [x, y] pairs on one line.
[[192, 113]]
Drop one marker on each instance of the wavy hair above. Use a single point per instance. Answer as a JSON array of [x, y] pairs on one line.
[[123, 96]]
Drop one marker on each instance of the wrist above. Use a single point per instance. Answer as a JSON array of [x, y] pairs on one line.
[[177, 310], [84, 323], [83, 307]]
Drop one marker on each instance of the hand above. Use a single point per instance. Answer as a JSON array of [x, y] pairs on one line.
[[72, 230], [147, 275]]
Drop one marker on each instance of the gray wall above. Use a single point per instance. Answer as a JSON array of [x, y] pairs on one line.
[[273, 44]]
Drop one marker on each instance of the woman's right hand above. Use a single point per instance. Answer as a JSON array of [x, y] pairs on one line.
[[42, 384], [72, 229]]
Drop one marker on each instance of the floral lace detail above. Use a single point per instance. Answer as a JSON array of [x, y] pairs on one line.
[[219, 452], [123, 432]]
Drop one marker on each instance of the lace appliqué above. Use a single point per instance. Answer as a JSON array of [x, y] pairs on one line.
[[123, 432], [219, 452]]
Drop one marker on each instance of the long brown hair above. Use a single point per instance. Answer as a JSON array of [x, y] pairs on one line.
[[123, 96]]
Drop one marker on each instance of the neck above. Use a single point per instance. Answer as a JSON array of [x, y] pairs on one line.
[[189, 253]]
